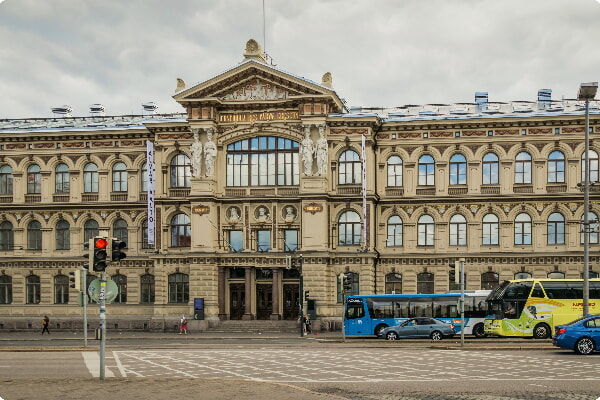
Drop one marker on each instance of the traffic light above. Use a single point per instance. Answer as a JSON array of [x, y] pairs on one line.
[[453, 275], [306, 295], [116, 250], [99, 257], [347, 282], [75, 279]]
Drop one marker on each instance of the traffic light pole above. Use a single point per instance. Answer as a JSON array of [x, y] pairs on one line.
[[462, 302], [102, 322], [84, 298]]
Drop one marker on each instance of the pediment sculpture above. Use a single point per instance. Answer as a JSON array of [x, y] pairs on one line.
[[258, 90]]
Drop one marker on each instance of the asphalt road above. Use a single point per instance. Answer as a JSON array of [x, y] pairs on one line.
[[289, 367]]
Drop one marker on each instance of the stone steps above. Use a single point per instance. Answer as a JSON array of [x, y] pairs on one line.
[[256, 326]]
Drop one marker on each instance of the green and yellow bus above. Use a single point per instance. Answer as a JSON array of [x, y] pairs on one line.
[[533, 307]]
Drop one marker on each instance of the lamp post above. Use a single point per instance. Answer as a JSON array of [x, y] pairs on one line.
[[587, 92]]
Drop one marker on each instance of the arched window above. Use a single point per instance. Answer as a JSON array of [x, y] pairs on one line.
[[426, 231], [556, 229], [181, 235], [120, 230], [523, 229], [593, 166], [6, 180], [592, 228], [147, 289], [34, 179], [144, 187], [61, 289], [490, 169], [522, 275], [489, 280], [90, 178], [394, 171], [350, 169], [394, 231], [145, 244], [354, 287], [34, 236], [426, 170], [393, 283], [349, 229], [592, 275], [63, 235], [458, 230], [556, 275], [425, 282], [121, 281], [119, 177], [179, 290], [263, 161], [5, 289], [181, 172], [90, 230], [556, 167], [523, 168], [7, 238], [62, 183], [490, 228], [32, 289], [458, 170]]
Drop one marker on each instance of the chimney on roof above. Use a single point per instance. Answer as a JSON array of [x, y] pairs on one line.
[[544, 98], [62, 111], [481, 99], [97, 110], [149, 108]]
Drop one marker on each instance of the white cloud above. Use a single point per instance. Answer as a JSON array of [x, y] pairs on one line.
[[380, 53]]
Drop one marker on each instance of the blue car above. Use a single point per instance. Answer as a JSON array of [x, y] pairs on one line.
[[581, 335]]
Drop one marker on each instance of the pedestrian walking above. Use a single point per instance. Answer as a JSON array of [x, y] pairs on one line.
[[307, 327], [45, 323], [183, 325]]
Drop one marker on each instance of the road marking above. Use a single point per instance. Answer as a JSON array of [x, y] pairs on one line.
[[92, 362]]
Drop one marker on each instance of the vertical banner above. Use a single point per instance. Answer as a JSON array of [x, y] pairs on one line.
[[364, 192], [150, 167]]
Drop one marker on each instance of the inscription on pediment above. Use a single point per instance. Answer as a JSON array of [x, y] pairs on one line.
[[257, 90]]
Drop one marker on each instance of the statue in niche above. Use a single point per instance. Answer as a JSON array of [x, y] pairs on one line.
[[308, 151], [321, 151], [234, 214], [263, 214], [210, 153], [196, 153], [290, 214]]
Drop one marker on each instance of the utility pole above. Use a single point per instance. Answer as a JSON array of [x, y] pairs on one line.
[[462, 301]]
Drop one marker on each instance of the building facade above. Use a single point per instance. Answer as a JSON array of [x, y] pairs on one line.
[[262, 165]]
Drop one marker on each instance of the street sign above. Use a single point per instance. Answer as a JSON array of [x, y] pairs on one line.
[[110, 292]]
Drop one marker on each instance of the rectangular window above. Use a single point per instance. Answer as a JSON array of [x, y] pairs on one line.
[[236, 243], [263, 240], [291, 240]]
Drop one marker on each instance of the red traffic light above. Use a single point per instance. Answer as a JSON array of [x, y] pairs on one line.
[[100, 243]]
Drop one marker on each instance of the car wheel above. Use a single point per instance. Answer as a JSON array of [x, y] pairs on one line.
[[585, 346], [478, 331], [391, 335], [379, 328], [436, 335], [541, 331]]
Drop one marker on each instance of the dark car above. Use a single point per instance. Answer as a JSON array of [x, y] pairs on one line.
[[420, 327], [581, 335]]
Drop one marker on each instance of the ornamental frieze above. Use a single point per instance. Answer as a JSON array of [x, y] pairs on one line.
[[505, 132], [175, 136], [102, 144], [43, 145], [540, 131], [132, 142], [348, 131], [473, 133], [73, 145], [15, 146], [578, 129], [409, 135], [436, 134]]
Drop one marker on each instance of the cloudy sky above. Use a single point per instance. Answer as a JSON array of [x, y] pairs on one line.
[[122, 53]]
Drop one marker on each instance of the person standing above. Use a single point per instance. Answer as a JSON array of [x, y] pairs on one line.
[[183, 325], [45, 323]]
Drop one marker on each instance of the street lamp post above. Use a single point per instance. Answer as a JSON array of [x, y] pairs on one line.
[[587, 92]]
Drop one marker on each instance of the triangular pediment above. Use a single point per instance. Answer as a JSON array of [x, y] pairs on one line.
[[253, 81]]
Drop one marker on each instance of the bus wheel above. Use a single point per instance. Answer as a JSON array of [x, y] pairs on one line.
[[478, 331], [541, 331], [585, 346], [379, 328]]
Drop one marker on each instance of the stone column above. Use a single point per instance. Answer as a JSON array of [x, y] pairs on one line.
[[221, 297], [248, 295], [275, 312]]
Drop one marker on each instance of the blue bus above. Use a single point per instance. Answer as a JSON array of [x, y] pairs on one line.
[[366, 315]]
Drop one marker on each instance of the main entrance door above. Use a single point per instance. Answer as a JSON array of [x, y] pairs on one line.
[[264, 301], [291, 300], [237, 304]]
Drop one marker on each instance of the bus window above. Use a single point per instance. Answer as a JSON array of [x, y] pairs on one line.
[[446, 307], [537, 291], [421, 307], [401, 308], [510, 310], [558, 290], [594, 290], [355, 311], [518, 290], [382, 309]]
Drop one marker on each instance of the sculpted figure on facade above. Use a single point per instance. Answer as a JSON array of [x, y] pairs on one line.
[[321, 150], [196, 153], [210, 153], [307, 151]]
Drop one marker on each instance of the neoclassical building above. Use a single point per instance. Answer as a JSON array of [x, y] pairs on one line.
[[263, 164]]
